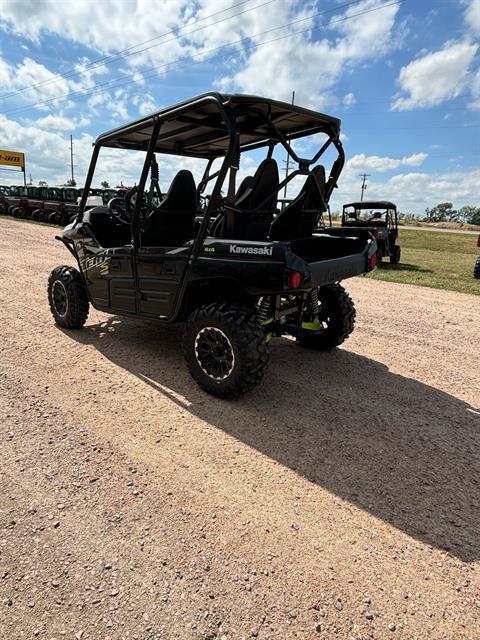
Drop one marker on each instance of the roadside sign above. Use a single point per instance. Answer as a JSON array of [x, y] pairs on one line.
[[12, 158]]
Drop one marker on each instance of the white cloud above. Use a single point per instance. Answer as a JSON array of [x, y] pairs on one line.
[[475, 91], [312, 67], [106, 27], [349, 99], [61, 122], [361, 162], [146, 103], [413, 191], [32, 82], [435, 77], [472, 15], [28, 73]]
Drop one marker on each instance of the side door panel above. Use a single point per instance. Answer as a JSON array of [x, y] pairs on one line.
[[160, 272], [109, 275], [122, 282]]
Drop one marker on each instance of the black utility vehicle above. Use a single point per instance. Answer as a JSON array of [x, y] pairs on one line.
[[235, 274], [380, 218]]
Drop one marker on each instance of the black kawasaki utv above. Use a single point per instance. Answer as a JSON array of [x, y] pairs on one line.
[[380, 218], [236, 274]]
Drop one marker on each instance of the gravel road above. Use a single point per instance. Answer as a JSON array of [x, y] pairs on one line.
[[340, 499]]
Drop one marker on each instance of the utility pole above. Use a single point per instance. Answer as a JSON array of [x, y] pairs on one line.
[[71, 159], [364, 177], [287, 163]]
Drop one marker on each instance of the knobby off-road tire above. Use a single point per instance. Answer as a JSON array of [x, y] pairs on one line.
[[395, 257], [64, 219], [337, 313], [67, 298], [225, 349], [476, 269]]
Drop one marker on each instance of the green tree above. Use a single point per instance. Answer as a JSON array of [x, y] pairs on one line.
[[70, 183], [470, 215], [42, 183], [442, 212], [105, 185]]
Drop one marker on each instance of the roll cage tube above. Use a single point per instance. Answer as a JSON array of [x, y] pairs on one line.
[[304, 163], [141, 185], [88, 182], [214, 202]]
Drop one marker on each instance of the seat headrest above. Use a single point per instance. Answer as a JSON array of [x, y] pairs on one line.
[[245, 184], [309, 192], [264, 182], [182, 193]]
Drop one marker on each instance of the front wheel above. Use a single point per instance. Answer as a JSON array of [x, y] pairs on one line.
[[67, 297], [476, 269], [335, 320], [225, 349]]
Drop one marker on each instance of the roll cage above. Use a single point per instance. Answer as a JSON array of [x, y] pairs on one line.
[[213, 126], [389, 208]]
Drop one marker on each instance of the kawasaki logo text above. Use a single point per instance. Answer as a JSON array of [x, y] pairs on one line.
[[255, 251]]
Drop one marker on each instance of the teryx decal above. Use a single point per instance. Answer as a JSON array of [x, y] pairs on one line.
[[101, 262]]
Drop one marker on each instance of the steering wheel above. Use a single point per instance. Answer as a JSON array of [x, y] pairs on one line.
[[117, 205]]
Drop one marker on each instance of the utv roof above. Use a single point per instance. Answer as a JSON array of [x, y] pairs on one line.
[[200, 126], [372, 204]]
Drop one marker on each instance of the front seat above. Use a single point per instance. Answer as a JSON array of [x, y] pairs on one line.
[[171, 223], [254, 207], [300, 217]]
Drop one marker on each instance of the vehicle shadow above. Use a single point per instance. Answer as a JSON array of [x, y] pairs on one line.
[[403, 266], [401, 450]]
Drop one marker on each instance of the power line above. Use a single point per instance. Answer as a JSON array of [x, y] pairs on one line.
[[125, 53], [112, 58], [152, 71]]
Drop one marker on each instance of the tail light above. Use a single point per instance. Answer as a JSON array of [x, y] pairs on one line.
[[375, 233], [478, 241], [295, 279], [373, 261]]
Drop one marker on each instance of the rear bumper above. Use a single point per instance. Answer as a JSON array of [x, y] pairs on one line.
[[336, 269]]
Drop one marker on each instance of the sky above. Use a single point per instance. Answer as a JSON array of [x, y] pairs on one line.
[[403, 76]]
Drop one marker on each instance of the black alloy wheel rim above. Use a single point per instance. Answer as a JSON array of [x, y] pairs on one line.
[[60, 300], [214, 353]]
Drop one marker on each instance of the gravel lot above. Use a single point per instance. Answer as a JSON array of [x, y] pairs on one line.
[[340, 499]]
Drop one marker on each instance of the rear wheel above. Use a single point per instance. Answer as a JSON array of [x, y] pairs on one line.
[[35, 214], [225, 349], [64, 219], [52, 218], [395, 257], [336, 320], [476, 268], [67, 297]]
